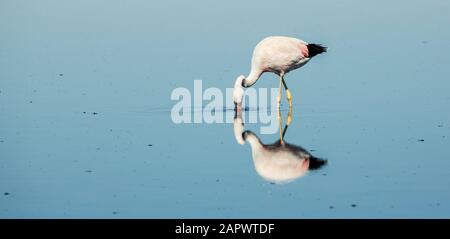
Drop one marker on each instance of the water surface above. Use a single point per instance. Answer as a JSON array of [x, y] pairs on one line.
[[86, 132]]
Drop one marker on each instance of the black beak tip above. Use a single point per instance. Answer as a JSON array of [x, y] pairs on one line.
[[244, 135]]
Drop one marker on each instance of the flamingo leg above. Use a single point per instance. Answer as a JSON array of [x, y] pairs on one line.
[[288, 121], [279, 93], [289, 117], [280, 122], [285, 129], [288, 92]]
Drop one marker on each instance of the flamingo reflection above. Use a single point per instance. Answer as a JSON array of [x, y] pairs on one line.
[[279, 162]]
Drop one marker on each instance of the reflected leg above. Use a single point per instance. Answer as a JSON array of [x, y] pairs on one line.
[[280, 122], [289, 117], [288, 121], [285, 129]]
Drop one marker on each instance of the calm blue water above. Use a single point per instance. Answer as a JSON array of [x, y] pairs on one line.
[[86, 132]]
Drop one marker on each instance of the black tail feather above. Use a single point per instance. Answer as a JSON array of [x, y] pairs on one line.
[[315, 49], [316, 163]]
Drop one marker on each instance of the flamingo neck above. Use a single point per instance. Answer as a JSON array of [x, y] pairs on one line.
[[254, 141], [251, 78]]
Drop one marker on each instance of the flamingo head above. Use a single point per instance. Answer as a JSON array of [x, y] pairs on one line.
[[238, 92]]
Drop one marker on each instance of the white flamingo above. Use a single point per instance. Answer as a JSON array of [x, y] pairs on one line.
[[280, 55], [280, 162]]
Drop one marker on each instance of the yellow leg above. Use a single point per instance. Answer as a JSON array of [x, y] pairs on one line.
[[289, 97], [288, 92], [289, 117], [280, 122], [279, 93]]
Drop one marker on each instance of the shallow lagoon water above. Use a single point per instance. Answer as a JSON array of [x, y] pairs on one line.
[[86, 131]]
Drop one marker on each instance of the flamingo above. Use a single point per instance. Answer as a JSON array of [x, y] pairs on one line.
[[280, 162], [280, 55]]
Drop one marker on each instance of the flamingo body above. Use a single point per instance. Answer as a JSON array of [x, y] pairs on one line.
[[277, 54], [279, 162]]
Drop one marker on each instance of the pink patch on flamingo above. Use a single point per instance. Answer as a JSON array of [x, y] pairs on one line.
[[304, 50]]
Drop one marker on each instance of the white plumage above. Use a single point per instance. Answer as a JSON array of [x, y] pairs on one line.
[[277, 54], [279, 162]]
